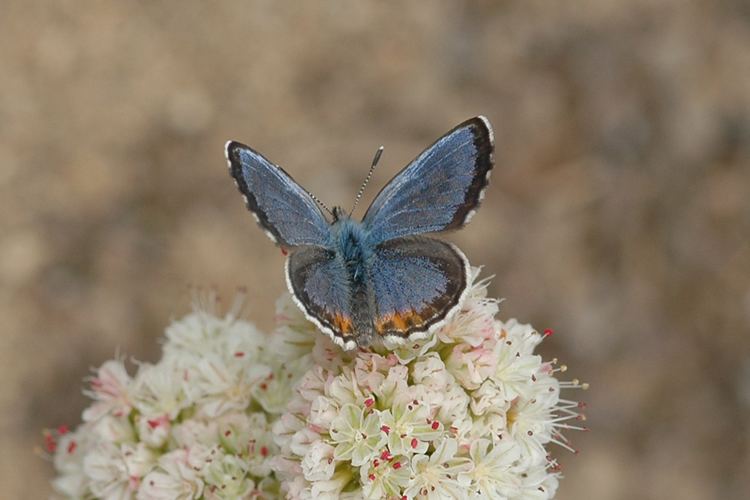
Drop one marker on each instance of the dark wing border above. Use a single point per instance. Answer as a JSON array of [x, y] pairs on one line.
[[485, 145]]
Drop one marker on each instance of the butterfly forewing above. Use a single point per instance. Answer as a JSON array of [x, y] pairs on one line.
[[439, 190], [284, 210]]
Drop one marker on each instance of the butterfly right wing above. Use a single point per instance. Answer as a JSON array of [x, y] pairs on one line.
[[319, 283], [440, 190], [416, 283], [285, 211]]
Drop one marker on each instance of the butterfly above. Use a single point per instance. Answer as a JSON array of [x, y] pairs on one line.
[[380, 277]]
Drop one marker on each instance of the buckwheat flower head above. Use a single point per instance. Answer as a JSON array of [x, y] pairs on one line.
[[467, 412], [227, 412], [195, 424]]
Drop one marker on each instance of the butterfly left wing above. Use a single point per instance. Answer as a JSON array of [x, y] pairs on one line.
[[438, 191], [319, 283], [416, 283], [285, 211]]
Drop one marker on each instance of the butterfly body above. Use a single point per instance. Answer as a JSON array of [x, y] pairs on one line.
[[351, 247], [380, 277]]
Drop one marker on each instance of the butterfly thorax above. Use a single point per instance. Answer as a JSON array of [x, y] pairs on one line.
[[350, 242]]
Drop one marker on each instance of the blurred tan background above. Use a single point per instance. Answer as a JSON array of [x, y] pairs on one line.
[[618, 213]]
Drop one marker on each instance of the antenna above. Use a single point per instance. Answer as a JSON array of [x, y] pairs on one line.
[[322, 205], [375, 161]]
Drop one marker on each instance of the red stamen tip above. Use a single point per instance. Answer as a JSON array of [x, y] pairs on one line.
[[369, 402], [397, 465], [239, 354], [386, 455], [414, 442], [50, 443], [385, 429], [72, 447], [63, 429], [263, 451], [548, 332], [371, 477], [435, 425]]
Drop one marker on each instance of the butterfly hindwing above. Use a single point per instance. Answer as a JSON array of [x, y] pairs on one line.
[[319, 283], [415, 283], [285, 211], [440, 190]]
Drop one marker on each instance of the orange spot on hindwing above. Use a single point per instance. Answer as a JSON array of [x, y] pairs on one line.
[[343, 324], [402, 322]]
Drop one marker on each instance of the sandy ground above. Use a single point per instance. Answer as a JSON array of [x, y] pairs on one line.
[[619, 212]]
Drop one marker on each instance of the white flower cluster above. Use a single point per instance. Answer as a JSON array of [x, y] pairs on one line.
[[230, 413], [466, 413], [197, 424]]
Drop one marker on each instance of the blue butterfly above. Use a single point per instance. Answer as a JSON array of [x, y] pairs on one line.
[[378, 278]]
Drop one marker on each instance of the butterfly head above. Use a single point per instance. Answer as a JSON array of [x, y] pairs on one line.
[[339, 214]]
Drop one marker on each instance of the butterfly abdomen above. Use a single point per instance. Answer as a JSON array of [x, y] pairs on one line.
[[361, 317]]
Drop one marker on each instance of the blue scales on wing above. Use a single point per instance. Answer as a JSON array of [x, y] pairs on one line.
[[285, 211], [440, 190], [415, 283], [319, 282]]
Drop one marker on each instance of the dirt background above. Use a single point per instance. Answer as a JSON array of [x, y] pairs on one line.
[[618, 213]]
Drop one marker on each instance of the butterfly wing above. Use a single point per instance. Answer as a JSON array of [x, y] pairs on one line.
[[319, 283], [285, 211], [415, 284], [439, 190]]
